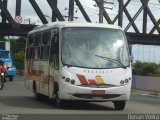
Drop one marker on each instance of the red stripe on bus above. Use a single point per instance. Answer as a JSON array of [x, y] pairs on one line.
[[92, 81], [82, 79]]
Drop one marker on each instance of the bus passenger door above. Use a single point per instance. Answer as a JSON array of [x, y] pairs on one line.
[[44, 62], [54, 61]]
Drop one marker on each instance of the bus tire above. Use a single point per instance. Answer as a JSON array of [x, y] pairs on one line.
[[59, 103], [37, 96], [119, 105], [10, 78], [1, 87]]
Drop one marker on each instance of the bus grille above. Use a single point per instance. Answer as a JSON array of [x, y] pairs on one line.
[[99, 85], [91, 96]]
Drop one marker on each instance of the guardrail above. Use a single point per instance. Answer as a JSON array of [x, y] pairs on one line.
[[147, 83]]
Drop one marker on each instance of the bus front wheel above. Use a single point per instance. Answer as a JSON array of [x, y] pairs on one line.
[[119, 105], [58, 102]]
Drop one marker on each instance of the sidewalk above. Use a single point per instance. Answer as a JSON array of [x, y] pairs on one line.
[[145, 93]]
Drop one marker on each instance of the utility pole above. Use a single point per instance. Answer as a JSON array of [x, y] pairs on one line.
[[71, 10], [70, 14], [100, 4]]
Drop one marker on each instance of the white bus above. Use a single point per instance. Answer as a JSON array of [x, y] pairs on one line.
[[78, 61]]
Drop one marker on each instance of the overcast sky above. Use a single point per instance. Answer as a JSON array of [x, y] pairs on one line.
[[140, 52]]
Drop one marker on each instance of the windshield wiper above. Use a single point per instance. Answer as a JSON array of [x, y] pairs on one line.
[[113, 60]]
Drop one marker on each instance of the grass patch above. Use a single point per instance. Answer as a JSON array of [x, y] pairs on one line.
[[155, 93]]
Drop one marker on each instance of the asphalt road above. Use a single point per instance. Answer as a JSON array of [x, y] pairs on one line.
[[16, 99]]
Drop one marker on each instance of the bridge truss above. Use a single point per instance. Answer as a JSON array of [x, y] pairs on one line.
[[142, 35]]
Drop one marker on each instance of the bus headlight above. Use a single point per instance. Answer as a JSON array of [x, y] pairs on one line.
[[67, 79], [126, 81], [72, 81], [122, 82], [63, 77]]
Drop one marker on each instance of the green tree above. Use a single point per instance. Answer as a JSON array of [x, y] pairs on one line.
[[147, 69], [18, 51], [2, 38], [137, 69]]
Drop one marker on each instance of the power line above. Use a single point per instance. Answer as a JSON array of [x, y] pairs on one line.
[[94, 12], [68, 16], [100, 4]]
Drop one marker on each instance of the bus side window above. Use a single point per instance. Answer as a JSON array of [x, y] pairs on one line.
[[45, 45], [30, 41], [37, 40], [55, 44], [46, 38], [29, 54], [44, 52], [36, 53], [55, 49], [29, 50]]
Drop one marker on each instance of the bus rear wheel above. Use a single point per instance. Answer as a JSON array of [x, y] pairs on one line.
[[10, 78], [37, 96], [119, 105], [1, 87]]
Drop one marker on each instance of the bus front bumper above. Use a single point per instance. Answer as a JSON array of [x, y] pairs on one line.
[[11, 73], [71, 92]]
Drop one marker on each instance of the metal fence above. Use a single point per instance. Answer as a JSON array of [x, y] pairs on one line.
[[147, 83]]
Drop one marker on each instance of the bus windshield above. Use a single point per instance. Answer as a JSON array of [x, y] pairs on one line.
[[4, 54], [94, 48]]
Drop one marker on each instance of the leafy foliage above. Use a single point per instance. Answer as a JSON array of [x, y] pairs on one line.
[[147, 69], [18, 51], [2, 38]]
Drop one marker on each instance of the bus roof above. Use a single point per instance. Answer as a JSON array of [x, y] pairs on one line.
[[71, 24]]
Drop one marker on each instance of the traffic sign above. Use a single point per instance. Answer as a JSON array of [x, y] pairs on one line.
[[18, 19]]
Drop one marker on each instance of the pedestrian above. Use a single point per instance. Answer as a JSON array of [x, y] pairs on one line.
[[3, 70]]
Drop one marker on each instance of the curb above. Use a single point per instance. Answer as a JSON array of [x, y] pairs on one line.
[[144, 94]]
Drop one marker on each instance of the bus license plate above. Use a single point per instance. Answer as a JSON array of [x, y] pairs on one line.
[[98, 92]]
